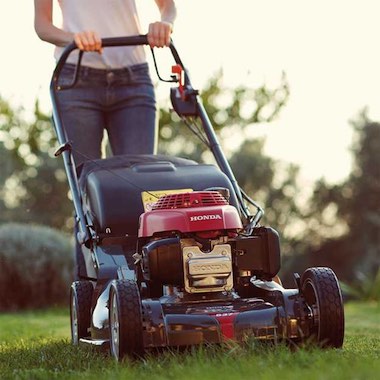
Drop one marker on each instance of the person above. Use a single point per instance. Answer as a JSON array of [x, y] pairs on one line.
[[114, 91]]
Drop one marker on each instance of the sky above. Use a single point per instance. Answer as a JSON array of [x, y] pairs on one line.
[[328, 49]]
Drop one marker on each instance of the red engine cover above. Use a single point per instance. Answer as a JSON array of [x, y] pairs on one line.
[[190, 212]]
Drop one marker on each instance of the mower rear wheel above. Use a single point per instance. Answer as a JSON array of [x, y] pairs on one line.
[[125, 319], [80, 309], [322, 293]]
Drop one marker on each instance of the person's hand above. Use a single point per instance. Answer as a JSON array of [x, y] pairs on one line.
[[159, 34], [88, 41]]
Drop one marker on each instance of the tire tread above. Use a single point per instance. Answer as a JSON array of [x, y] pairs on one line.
[[83, 291], [130, 313], [331, 313]]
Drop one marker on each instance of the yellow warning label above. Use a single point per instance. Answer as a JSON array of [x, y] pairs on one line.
[[149, 198]]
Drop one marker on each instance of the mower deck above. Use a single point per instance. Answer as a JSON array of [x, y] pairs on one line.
[[171, 321]]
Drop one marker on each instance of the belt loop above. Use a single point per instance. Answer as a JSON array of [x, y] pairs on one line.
[[130, 73], [84, 72]]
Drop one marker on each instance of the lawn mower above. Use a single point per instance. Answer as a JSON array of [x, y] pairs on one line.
[[173, 255]]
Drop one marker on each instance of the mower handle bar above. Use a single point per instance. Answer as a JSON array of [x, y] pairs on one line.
[[106, 42]]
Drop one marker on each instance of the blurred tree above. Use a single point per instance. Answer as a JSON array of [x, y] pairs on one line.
[[33, 185], [351, 210], [228, 109]]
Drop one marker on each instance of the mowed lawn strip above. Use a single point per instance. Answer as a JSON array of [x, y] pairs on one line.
[[36, 345]]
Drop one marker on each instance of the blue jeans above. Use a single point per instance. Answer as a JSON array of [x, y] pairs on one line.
[[120, 101]]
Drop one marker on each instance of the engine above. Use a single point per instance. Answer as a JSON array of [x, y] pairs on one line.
[[192, 241]]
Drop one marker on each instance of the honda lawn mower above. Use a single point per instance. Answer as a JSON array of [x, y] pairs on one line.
[[172, 255]]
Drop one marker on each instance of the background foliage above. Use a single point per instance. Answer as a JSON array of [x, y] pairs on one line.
[[36, 266]]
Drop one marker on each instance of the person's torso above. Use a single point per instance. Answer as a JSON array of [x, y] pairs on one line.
[[109, 18]]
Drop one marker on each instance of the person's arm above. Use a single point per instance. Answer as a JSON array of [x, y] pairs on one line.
[[47, 31], [160, 31]]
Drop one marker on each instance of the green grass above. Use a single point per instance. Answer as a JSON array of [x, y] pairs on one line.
[[35, 345]]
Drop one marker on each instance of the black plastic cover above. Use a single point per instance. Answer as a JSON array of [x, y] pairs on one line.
[[162, 262], [112, 188], [259, 253], [183, 107]]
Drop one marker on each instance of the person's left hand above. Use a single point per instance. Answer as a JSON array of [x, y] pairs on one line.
[[159, 34]]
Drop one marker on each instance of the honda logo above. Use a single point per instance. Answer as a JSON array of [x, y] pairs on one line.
[[199, 218]]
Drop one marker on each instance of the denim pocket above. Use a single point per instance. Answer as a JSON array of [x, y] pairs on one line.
[[66, 77], [140, 74]]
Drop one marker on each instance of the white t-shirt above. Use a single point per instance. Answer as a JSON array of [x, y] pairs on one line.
[[109, 18]]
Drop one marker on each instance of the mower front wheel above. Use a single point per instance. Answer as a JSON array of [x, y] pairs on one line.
[[125, 319], [80, 309], [322, 294]]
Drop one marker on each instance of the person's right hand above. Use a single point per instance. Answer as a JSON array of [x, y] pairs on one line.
[[88, 41]]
